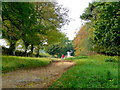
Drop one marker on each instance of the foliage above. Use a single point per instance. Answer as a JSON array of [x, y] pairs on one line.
[[18, 17], [91, 72], [34, 23], [105, 17], [10, 63], [111, 60], [83, 41], [50, 15]]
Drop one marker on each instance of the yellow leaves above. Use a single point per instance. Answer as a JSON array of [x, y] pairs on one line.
[[80, 40]]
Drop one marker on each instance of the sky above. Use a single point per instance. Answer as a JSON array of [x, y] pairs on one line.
[[76, 8]]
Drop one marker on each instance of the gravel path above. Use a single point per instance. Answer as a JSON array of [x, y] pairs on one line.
[[41, 77]]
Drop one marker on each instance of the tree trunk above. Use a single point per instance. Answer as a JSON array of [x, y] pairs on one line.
[[38, 51], [26, 45], [32, 49], [11, 49]]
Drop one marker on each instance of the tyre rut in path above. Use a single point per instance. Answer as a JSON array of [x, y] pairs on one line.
[[41, 77]]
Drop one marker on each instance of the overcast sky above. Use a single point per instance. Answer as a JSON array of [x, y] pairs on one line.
[[76, 8]]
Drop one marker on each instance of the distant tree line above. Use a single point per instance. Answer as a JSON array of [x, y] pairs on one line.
[[57, 49]]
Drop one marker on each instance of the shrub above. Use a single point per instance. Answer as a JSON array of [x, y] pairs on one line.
[[111, 60]]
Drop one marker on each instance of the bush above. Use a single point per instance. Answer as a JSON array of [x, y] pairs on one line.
[[111, 60], [19, 53]]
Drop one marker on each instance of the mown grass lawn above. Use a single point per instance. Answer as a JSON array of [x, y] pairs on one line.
[[90, 72], [10, 63]]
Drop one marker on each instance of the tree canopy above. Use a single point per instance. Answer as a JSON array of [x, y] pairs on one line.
[[35, 23], [104, 18]]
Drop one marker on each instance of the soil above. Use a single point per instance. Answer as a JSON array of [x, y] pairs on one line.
[[41, 77]]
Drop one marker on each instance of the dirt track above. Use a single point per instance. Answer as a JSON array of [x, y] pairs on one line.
[[41, 77]]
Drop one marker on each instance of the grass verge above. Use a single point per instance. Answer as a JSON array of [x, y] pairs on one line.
[[10, 63], [90, 72]]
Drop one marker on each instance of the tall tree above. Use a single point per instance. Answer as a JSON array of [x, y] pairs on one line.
[[105, 17], [17, 19], [82, 42]]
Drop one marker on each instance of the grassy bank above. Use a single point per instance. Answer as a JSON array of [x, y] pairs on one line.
[[90, 72], [10, 63]]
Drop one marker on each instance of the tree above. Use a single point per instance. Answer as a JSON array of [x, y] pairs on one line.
[[51, 20], [104, 17], [17, 19], [34, 23], [10, 33], [83, 41]]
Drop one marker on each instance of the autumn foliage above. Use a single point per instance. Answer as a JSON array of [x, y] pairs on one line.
[[80, 41]]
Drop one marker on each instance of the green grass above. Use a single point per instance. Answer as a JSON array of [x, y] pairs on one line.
[[78, 57], [10, 63], [44, 55], [90, 72]]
